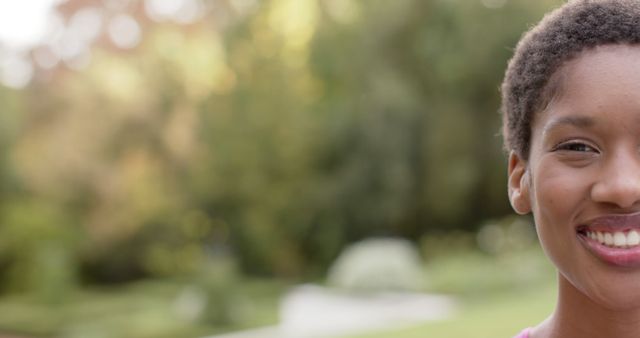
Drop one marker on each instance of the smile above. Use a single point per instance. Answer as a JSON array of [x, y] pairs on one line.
[[616, 239], [613, 239]]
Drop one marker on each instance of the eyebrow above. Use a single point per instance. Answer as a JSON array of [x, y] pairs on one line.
[[576, 121]]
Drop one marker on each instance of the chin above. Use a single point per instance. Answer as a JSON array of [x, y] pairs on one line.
[[618, 302], [617, 294]]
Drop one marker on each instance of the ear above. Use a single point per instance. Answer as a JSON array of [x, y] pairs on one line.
[[519, 184]]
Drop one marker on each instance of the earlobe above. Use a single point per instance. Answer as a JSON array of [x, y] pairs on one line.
[[519, 182]]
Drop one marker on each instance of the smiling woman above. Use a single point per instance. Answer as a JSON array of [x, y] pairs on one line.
[[571, 102], [585, 178]]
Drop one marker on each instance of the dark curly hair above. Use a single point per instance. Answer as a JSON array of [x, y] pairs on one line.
[[531, 79]]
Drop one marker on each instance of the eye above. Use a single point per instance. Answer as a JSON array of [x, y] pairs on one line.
[[575, 146]]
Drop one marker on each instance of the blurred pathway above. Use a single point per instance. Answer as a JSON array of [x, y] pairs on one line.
[[268, 332], [315, 312]]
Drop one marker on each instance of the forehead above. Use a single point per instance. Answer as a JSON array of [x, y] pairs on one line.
[[616, 65], [602, 83]]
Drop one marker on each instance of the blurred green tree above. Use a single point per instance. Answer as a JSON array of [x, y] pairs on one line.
[[277, 132]]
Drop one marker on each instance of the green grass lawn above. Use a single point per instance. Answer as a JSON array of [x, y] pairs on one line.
[[146, 309], [498, 295], [501, 316]]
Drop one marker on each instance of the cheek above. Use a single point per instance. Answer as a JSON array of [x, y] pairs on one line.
[[557, 197], [558, 192]]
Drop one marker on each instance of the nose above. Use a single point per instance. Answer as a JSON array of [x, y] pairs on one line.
[[619, 181]]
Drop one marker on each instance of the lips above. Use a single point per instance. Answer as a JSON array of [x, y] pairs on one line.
[[613, 239]]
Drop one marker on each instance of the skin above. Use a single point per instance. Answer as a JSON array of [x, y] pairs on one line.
[[585, 163]]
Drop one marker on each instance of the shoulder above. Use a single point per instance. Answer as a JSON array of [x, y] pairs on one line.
[[523, 334]]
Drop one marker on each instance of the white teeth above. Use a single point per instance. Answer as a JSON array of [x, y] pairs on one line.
[[608, 239], [619, 239], [616, 239], [633, 238]]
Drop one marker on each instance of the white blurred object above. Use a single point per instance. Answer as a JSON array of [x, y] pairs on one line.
[[312, 311], [378, 264], [23, 23], [506, 235], [15, 70], [191, 303], [373, 288], [182, 11], [124, 31]]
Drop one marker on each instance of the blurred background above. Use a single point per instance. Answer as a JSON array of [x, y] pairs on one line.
[[174, 168]]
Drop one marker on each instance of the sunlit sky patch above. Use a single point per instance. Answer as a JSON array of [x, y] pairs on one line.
[[33, 35], [23, 23]]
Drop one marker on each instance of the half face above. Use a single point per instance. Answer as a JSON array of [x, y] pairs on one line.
[[582, 179]]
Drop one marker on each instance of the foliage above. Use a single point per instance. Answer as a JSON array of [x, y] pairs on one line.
[[135, 310], [276, 137]]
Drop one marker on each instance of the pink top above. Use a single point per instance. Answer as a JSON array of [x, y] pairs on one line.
[[523, 334]]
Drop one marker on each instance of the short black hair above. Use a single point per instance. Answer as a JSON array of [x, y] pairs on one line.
[[576, 26]]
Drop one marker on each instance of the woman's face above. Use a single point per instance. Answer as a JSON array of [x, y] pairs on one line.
[[582, 178]]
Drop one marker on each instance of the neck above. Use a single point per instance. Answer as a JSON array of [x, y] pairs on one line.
[[577, 315]]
